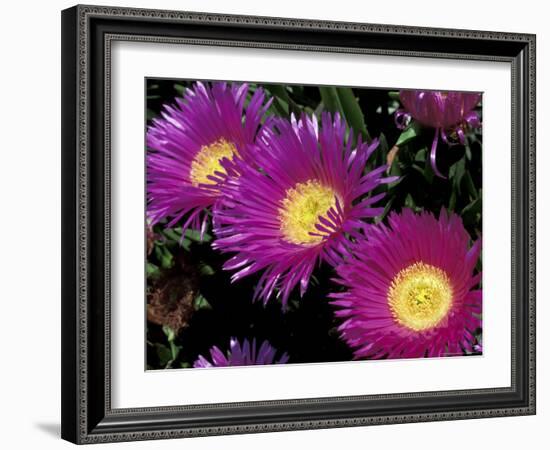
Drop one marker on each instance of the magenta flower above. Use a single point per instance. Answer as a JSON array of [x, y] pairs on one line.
[[194, 145], [411, 289], [450, 113], [312, 191], [244, 355]]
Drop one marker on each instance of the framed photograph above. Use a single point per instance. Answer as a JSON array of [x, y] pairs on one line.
[[282, 224]]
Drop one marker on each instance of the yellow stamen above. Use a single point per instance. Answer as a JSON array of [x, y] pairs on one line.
[[300, 211], [207, 161], [420, 296]]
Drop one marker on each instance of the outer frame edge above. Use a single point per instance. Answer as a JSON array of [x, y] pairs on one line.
[[82, 14], [69, 318]]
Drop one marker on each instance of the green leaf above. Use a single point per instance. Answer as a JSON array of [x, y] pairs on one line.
[[468, 183], [395, 168], [383, 147], [179, 88], [151, 114], [452, 201], [174, 350], [158, 252], [205, 269], [278, 90], [283, 103], [293, 305], [387, 208], [314, 281], [195, 236], [164, 256], [456, 172], [419, 169], [174, 236], [164, 354], [408, 134], [167, 355], [319, 109], [170, 334], [472, 207], [352, 112], [280, 107], [393, 106], [296, 89], [186, 244], [409, 202], [201, 303], [382, 152], [330, 99], [171, 234], [471, 212], [152, 270], [468, 152], [394, 95], [421, 154], [428, 173]]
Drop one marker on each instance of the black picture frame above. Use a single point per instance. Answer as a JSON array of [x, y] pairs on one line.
[[87, 34]]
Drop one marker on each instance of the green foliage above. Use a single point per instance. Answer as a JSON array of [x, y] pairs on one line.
[[166, 352], [201, 303], [408, 134], [343, 101]]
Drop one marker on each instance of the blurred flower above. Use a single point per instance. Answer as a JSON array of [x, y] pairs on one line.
[[194, 145], [296, 211], [241, 355], [450, 113], [411, 291]]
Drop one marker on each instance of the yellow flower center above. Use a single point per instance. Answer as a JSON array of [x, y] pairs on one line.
[[302, 206], [420, 296], [207, 161]]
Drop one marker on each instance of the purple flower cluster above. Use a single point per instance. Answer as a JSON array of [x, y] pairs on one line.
[[242, 355], [284, 196]]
